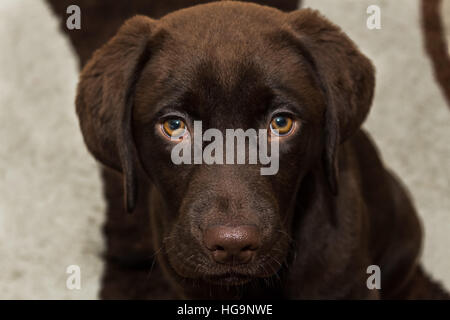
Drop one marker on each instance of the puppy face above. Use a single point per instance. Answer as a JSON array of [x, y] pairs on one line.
[[227, 223], [230, 66]]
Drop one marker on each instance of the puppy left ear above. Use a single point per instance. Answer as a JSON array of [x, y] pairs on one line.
[[345, 75]]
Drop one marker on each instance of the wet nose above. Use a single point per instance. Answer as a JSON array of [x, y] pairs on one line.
[[232, 245]]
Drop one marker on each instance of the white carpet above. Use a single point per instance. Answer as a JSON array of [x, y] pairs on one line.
[[51, 208], [50, 197]]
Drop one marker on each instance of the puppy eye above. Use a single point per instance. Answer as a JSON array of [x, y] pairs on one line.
[[283, 124], [173, 128]]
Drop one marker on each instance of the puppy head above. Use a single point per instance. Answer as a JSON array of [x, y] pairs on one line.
[[229, 65]]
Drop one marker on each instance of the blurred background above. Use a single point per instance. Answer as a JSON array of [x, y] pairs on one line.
[[51, 203]]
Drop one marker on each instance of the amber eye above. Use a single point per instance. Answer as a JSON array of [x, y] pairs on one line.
[[283, 124], [173, 128]]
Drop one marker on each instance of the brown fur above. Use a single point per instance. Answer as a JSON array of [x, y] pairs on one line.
[[435, 43], [332, 209]]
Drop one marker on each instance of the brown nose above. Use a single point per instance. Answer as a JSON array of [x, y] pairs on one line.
[[232, 245]]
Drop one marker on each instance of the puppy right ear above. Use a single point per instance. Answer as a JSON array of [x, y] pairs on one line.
[[104, 99]]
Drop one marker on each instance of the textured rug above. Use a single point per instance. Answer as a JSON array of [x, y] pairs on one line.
[[51, 206]]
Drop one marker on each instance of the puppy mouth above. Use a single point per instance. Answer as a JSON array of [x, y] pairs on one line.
[[228, 275], [238, 275]]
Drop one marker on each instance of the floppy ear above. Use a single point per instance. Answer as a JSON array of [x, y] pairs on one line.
[[104, 99], [345, 75]]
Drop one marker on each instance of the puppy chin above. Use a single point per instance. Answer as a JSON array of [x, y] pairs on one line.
[[236, 278], [229, 279]]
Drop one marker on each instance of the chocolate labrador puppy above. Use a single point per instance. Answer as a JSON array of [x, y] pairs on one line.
[[312, 229]]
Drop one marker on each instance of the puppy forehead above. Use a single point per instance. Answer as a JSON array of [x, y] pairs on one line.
[[204, 84], [221, 56], [208, 19], [229, 31], [205, 88]]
